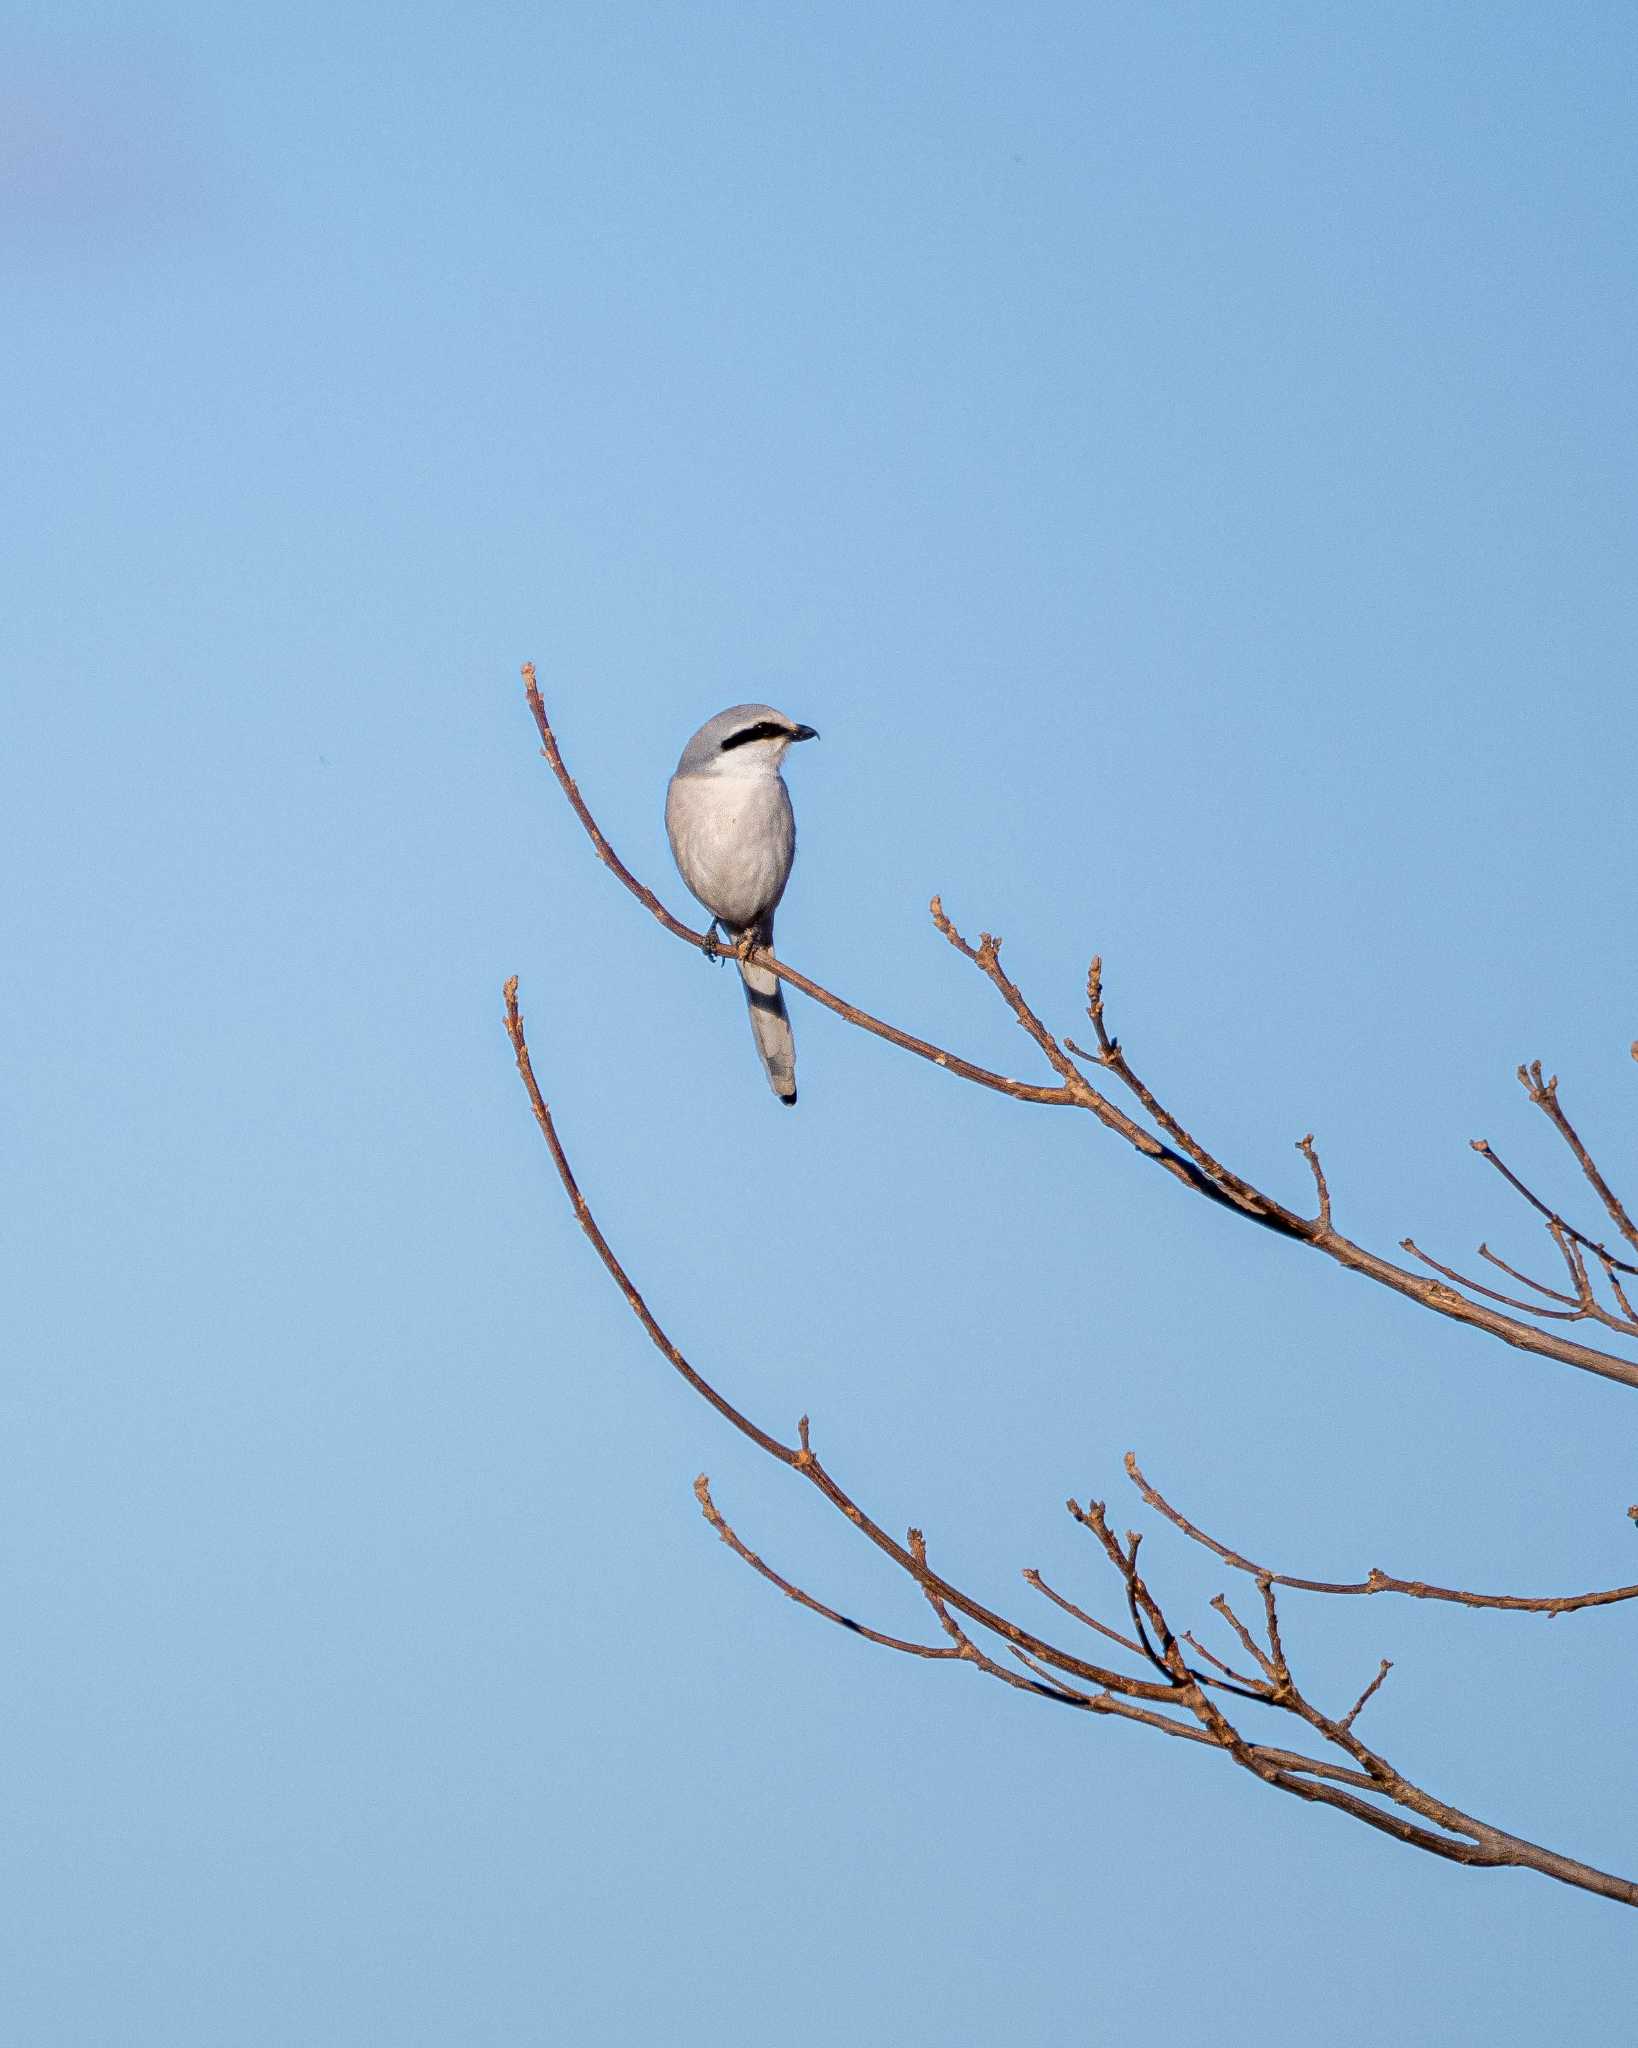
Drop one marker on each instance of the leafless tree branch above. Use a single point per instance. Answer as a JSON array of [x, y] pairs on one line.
[[708, 1508], [1354, 1711], [1375, 1581], [1544, 1094], [1488, 1153], [1166, 1692], [1178, 1151], [1365, 1787]]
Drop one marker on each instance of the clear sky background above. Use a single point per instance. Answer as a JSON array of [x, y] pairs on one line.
[[1182, 460]]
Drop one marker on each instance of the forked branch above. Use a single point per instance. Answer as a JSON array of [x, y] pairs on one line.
[[1375, 1581], [1171, 1145], [1168, 1694]]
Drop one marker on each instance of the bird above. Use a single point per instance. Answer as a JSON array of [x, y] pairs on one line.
[[733, 836]]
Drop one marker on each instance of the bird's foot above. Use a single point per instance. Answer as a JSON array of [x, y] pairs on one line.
[[714, 937]]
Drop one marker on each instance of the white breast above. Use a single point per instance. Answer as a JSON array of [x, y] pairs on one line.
[[733, 838]]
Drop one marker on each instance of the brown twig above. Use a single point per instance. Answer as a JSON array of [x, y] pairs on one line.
[[1354, 1711], [1584, 1304], [1544, 1094], [1271, 1625], [1248, 1642], [1376, 1581], [1034, 1578], [1492, 1157], [1111, 1056], [1253, 1688], [1557, 1315], [1145, 1614], [1626, 1306], [1551, 1293], [970, 1652], [1306, 1147], [711, 1512]]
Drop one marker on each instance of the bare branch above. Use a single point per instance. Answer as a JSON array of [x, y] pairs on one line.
[[1184, 1157], [1609, 1266], [1492, 1157], [1034, 1578], [1239, 1193], [1557, 1315], [1248, 1642], [1544, 1094], [1142, 1608], [799, 1458], [1271, 1622], [1171, 1695], [1252, 1688], [708, 1507], [1306, 1147], [1551, 1293], [970, 1652], [1437, 1827], [1585, 1306], [1377, 1581], [1353, 1712]]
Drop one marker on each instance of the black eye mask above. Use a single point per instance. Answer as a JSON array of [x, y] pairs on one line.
[[765, 730]]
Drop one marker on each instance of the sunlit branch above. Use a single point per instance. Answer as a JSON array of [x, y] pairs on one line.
[[1178, 1151], [1366, 1787], [1375, 1581]]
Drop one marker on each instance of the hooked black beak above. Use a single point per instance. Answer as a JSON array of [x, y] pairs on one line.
[[804, 732]]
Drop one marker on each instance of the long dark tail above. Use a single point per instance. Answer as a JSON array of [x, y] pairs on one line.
[[770, 1021]]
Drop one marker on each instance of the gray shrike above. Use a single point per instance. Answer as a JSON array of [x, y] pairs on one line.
[[733, 836]]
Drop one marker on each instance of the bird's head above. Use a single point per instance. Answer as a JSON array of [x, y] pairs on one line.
[[746, 739]]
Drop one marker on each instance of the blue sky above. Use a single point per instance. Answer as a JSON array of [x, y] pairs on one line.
[[1181, 460]]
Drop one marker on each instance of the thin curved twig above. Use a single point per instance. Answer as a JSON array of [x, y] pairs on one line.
[[1033, 1578], [1557, 1315], [1543, 1092], [800, 1457], [1376, 1581], [1488, 1153], [743, 1551]]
